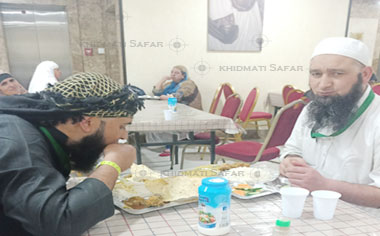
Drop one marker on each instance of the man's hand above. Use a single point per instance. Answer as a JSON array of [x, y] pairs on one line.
[[287, 163], [301, 174], [122, 154]]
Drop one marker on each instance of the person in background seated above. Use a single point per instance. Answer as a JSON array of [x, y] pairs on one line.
[[45, 135], [47, 72], [10, 86], [335, 143], [179, 85]]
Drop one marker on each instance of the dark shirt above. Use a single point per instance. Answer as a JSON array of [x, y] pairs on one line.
[[33, 195]]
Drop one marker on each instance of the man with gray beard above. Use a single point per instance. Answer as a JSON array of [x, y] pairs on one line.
[[335, 143]]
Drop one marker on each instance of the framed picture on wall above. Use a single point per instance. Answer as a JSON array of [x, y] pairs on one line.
[[235, 25]]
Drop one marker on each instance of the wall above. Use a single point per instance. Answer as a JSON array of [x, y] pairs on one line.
[[4, 65], [160, 34], [364, 19]]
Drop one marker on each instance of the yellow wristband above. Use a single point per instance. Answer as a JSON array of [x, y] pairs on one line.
[[110, 163]]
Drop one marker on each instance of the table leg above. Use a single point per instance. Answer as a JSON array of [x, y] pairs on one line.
[[276, 109], [175, 149], [138, 148], [176, 154], [212, 147], [171, 156]]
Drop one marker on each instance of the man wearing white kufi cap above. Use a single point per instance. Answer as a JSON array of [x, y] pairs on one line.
[[335, 143]]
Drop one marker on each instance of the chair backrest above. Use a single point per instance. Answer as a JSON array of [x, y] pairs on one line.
[[216, 99], [282, 126], [231, 106], [227, 90], [376, 88], [285, 90], [224, 88], [249, 105], [293, 95]]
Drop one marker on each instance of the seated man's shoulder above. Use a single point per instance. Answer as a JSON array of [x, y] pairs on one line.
[[7, 118], [375, 107], [11, 124]]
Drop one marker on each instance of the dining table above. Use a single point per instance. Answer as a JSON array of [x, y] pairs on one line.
[[275, 100], [248, 217], [156, 117]]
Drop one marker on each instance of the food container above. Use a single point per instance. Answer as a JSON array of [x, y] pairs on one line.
[[214, 206]]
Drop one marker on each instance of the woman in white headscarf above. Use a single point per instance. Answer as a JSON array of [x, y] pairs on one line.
[[47, 72]]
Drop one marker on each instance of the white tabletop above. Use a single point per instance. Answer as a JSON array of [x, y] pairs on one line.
[[275, 99], [186, 118], [248, 217]]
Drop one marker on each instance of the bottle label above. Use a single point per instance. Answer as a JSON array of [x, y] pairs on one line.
[[210, 217]]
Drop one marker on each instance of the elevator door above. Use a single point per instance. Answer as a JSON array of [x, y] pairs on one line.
[[35, 33]]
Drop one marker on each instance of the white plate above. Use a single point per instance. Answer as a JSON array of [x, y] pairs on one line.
[[148, 97], [118, 202], [118, 196], [127, 188], [265, 191], [258, 173]]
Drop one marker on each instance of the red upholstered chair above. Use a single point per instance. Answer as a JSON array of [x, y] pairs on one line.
[[293, 95], [251, 151], [376, 88], [216, 99], [227, 90], [224, 88], [230, 109], [257, 116], [248, 117], [246, 110], [285, 90]]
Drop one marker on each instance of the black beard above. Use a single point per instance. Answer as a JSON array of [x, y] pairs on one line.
[[335, 111], [86, 152]]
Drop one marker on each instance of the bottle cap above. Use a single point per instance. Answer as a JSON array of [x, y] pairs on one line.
[[215, 181], [283, 223]]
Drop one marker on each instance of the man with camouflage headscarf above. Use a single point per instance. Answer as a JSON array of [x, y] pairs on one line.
[[45, 135]]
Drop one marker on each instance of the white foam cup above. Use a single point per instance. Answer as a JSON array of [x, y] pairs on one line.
[[293, 201], [324, 204], [168, 114]]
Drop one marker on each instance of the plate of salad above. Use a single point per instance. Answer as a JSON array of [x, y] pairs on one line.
[[246, 191]]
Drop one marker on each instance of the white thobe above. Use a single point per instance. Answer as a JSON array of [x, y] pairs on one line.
[[352, 156]]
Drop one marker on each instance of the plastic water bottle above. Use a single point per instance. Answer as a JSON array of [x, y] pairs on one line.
[[214, 206], [172, 103]]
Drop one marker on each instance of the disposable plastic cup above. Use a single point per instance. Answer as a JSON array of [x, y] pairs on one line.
[[293, 201], [168, 114], [324, 204]]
